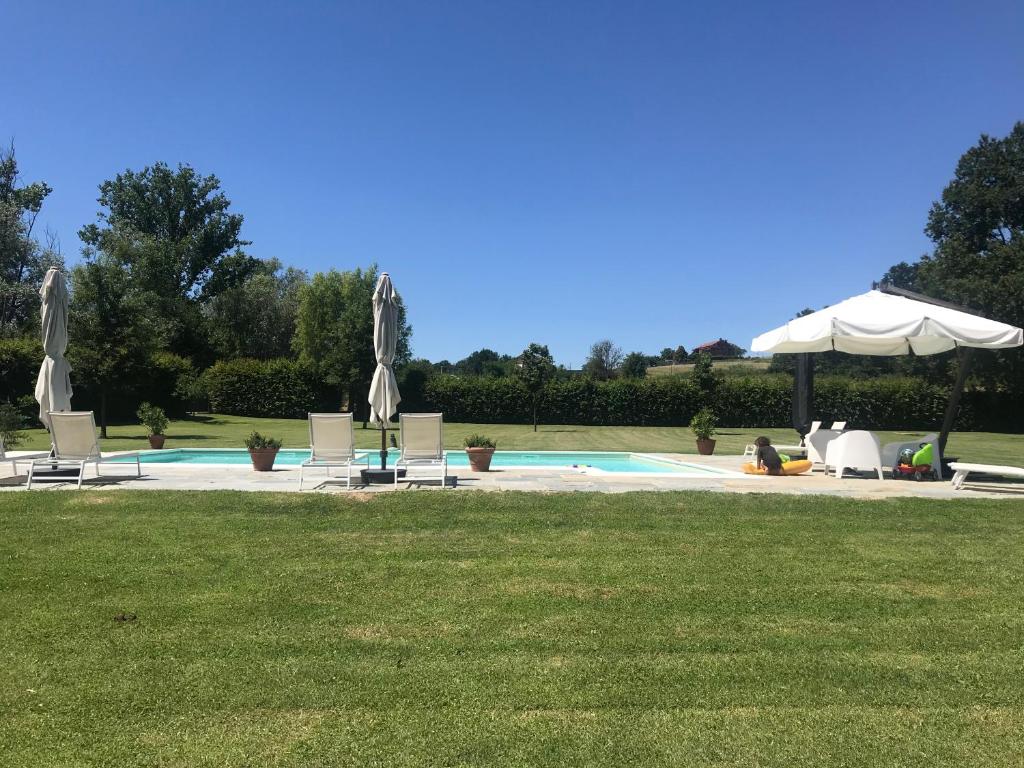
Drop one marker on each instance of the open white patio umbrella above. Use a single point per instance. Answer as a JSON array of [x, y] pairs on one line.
[[890, 321], [53, 387], [384, 396]]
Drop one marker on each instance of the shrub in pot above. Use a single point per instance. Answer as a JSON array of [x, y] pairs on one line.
[[155, 421], [262, 450], [703, 427], [480, 450]]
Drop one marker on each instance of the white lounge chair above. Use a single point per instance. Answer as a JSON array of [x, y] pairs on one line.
[[75, 445], [332, 444], [962, 469], [891, 452], [15, 459], [817, 444], [422, 443], [838, 426], [854, 450]]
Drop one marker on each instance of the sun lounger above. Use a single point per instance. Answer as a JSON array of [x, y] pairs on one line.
[[961, 470], [854, 450], [422, 443], [331, 444], [15, 459], [75, 445]]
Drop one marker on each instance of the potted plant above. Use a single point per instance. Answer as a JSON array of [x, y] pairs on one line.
[[703, 427], [480, 451], [154, 420], [262, 450]]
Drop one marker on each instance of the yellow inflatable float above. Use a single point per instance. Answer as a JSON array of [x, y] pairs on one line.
[[788, 468]]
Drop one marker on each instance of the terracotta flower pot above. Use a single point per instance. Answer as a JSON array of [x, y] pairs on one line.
[[263, 458], [706, 447], [156, 442], [480, 458]]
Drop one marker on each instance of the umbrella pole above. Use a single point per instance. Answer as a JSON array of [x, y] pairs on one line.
[[383, 444]]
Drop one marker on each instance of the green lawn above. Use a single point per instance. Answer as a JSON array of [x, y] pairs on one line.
[[424, 628], [229, 432]]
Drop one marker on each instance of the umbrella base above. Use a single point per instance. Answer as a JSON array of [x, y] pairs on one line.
[[380, 476]]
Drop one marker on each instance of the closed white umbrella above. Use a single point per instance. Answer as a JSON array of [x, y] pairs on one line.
[[53, 387], [384, 396]]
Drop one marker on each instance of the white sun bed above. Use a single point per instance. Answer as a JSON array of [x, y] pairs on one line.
[[422, 438], [75, 445], [332, 444], [961, 470], [22, 458]]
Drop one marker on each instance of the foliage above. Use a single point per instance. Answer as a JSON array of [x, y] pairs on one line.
[[978, 260], [334, 332], [153, 418], [23, 261], [256, 318], [703, 424], [257, 442], [19, 366], [12, 422], [479, 441], [534, 369], [178, 241], [269, 388], [703, 375], [603, 361], [634, 365], [111, 337], [484, 362]]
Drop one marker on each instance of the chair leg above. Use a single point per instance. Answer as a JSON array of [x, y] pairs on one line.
[[81, 473], [31, 469], [300, 477]]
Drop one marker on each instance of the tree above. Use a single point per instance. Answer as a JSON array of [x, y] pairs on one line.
[[535, 368], [978, 260], [185, 244], [23, 261], [603, 361], [111, 340], [334, 332], [257, 318], [484, 362], [634, 365], [703, 376]]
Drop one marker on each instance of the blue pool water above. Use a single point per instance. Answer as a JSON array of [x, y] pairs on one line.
[[601, 460]]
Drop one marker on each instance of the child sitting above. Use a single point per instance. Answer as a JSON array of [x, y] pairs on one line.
[[768, 457]]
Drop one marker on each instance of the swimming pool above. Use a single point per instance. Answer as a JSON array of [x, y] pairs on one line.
[[596, 462]]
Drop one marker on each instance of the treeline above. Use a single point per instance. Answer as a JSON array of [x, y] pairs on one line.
[[165, 288]]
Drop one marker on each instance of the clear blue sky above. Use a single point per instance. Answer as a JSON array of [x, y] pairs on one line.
[[655, 173]]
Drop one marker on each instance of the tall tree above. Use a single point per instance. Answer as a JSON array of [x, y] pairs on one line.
[[23, 261], [978, 260], [111, 339], [634, 365], [178, 240], [334, 332], [604, 360], [535, 368], [484, 362], [257, 318]]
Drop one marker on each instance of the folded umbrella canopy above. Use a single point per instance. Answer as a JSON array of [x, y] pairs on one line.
[[384, 396], [53, 387]]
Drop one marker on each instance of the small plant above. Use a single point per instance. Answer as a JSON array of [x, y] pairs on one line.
[[703, 424], [152, 418], [480, 441], [11, 423], [258, 442]]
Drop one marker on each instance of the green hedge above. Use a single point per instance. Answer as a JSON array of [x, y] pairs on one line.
[[269, 388], [19, 367], [756, 401]]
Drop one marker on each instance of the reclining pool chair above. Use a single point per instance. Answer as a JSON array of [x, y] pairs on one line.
[[422, 444], [75, 445]]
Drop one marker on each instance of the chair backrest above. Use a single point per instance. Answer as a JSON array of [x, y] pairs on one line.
[[74, 435], [422, 435], [331, 436], [838, 426], [817, 444], [859, 447]]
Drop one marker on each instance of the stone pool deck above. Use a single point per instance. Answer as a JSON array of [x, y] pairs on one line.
[[243, 478]]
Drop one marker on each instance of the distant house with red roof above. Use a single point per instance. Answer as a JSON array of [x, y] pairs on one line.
[[719, 349]]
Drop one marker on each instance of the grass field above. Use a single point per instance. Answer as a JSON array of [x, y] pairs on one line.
[[509, 629], [230, 431], [750, 365]]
